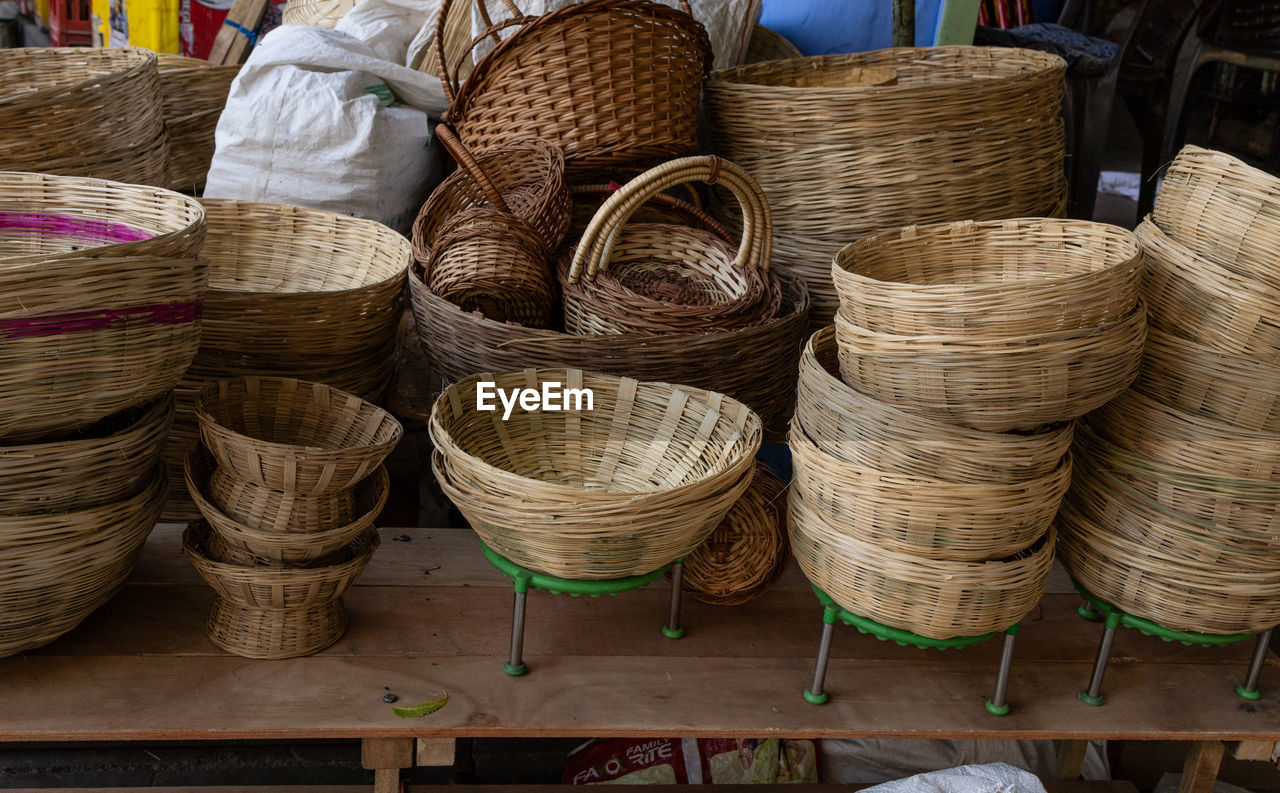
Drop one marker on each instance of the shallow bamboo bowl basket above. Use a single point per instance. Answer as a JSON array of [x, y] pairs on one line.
[[622, 489], [58, 568], [109, 461], [263, 508], [294, 435], [926, 517], [997, 383], [877, 435], [275, 634], [934, 598], [993, 279], [83, 112], [1224, 210]]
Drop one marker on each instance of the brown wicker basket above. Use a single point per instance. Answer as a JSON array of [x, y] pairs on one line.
[[295, 435], [620, 486], [58, 568], [274, 634], [938, 599], [109, 461], [260, 507], [877, 435], [83, 112], [770, 45], [194, 92], [599, 110], [748, 551], [662, 208]]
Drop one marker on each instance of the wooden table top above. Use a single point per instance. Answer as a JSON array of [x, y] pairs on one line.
[[430, 615]]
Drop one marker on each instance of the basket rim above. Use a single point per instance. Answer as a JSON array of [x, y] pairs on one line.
[[196, 535], [123, 54], [32, 524], [151, 410]]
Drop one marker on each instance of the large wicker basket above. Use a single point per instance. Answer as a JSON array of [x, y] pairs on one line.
[[194, 93], [599, 110], [83, 112], [618, 486], [847, 145]]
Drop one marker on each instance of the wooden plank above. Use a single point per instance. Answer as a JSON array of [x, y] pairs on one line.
[[231, 45], [1254, 750], [435, 752], [378, 753], [1070, 756], [1200, 771]]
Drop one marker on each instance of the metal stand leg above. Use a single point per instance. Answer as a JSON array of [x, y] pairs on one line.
[[814, 694], [673, 629], [1093, 696], [1250, 690], [998, 704], [1088, 612], [515, 664]]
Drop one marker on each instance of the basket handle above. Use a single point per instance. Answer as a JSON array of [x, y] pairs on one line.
[[462, 156], [595, 249], [694, 212]]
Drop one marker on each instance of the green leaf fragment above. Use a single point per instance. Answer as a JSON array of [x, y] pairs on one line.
[[418, 711]]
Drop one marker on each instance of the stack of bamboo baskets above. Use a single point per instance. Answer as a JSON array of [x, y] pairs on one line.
[[926, 482], [1174, 510], [289, 481], [194, 93], [100, 295]]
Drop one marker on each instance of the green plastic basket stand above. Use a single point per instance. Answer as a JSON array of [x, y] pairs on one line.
[[1096, 609], [525, 579], [832, 613]]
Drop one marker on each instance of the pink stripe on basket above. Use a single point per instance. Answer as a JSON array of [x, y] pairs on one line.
[[81, 321], [41, 224]]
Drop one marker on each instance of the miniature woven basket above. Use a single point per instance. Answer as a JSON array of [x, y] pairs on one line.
[[666, 278], [294, 435], [194, 93], [877, 435], [748, 551], [934, 598], [925, 517], [994, 279], [621, 487], [597, 109], [81, 111]]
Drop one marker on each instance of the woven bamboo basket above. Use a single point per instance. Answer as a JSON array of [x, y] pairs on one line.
[[996, 383], [666, 278], [770, 45], [1145, 581], [1223, 210], [83, 112], [194, 92], [848, 145], [755, 365], [661, 208], [877, 435], [631, 482], [748, 551], [320, 13], [58, 568], [1198, 300], [925, 517], [1243, 391], [999, 278], [294, 435], [1139, 424], [261, 507], [934, 598], [273, 634], [598, 110], [109, 461]]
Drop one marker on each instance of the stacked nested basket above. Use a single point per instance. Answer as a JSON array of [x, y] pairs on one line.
[[194, 92], [846, 145], [289, 479], [1174, 511], [100, 296], [933, 423]]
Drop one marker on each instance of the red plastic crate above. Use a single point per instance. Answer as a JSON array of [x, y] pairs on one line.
[[70, 24]]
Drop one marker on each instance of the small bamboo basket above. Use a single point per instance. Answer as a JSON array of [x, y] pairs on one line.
[[623, 487], [194, 93], [877, 435], [748, 551], [263, 508], [934, 598], [666, 278]]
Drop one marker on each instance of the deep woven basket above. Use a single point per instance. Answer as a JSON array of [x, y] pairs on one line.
[[879, 436], [598, 109], [934, 598], [770, 45], [999, 278], [107, 462], [194, 92], [58, 568], [849, 145], [1223, 210], [1189, 295], [633, 483], [665, 278], [83, 112], [748, 551]]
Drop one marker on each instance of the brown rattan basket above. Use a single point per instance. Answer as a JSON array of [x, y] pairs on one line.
[[194, 92]]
